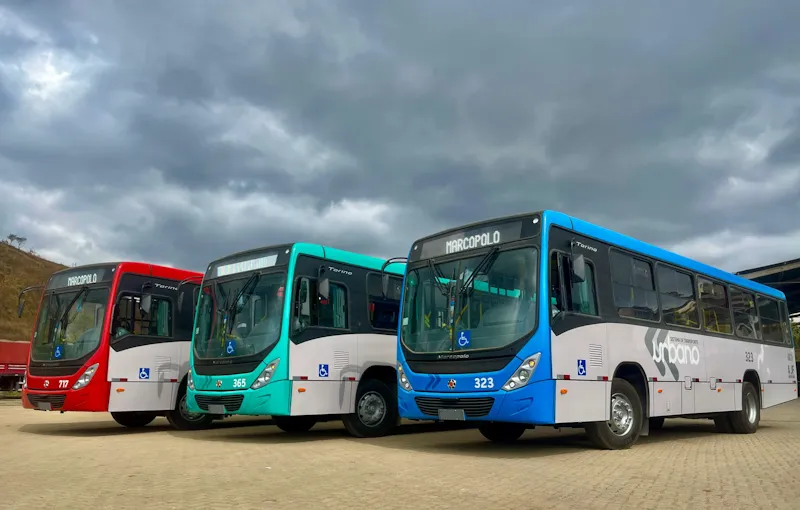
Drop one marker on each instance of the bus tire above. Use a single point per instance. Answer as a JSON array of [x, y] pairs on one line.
[[501, 432], [181, 419], [375, 410], [746, 421], [294, 424], [623, 429], [134, 419]]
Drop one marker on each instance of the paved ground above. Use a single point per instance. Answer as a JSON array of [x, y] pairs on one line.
[[48, 460]]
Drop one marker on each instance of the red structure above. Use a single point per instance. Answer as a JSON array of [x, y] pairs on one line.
[[13, 362]]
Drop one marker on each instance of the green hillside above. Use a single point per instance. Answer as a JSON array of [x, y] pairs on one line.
[[19, 269]]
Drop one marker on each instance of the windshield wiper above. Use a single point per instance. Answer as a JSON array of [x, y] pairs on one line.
[[234, 307], [484, 265], [63, 322], [437, 274]]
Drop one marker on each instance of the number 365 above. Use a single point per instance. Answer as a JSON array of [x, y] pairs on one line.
[[484, 382]]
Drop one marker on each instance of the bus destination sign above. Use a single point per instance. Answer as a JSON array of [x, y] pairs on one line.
[[246, 265], [251, 260], [81, 276], [472, 239]]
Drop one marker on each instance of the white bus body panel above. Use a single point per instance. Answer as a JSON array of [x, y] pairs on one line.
[[687, 373], [347, 357], [167, 362]]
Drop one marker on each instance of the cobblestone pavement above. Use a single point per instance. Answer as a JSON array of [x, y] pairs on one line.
[[51, 460]]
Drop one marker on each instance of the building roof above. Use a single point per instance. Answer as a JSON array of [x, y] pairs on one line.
[[784, 276]]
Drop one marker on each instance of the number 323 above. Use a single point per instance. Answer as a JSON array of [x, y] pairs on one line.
[[484, 382]]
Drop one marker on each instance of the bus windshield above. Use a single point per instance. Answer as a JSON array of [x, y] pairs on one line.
[[69, 324], [239, 317], [451, 307]]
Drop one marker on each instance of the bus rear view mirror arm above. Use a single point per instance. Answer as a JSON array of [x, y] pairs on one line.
[[21, 298]]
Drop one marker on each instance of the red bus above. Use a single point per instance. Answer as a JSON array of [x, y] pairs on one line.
[[114, 338]]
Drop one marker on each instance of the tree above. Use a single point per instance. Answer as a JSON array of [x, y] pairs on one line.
[[11, 238], [21, 241]]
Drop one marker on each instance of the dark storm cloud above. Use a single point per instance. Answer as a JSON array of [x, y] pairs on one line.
[[461, 112]]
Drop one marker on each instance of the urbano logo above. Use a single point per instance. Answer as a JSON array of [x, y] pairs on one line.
[[675, 352]]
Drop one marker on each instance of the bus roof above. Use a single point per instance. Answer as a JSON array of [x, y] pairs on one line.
[[318, 250], [623, 241], [349, 257], [634, 245]]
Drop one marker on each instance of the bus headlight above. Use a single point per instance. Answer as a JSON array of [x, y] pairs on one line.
[[523, 374], [85, 377], [265, 375], [189, 380], [401, 376]]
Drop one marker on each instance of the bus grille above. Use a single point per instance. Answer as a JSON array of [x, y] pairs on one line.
[[55, 401], [231, 402], [473, 407]]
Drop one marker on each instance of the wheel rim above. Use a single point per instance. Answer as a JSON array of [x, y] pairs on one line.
[[750, 407], [187, 415], [371, 409], [622, 416]]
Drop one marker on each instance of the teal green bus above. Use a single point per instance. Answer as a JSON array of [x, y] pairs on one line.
[[299, 332]]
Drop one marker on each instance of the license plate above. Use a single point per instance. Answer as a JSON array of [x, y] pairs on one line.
[[44, 406], [216, 409], [452, 414]]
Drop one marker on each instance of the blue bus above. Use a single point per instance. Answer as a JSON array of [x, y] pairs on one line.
[[546, 319]]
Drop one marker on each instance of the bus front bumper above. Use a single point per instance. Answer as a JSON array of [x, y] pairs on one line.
[[532, 404], [272, 399], [85, 399]]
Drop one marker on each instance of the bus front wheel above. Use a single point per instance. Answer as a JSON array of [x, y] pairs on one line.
[[182, 419], [133, 419], [294, 424], [500, 432], [622, 430], [376, 410]]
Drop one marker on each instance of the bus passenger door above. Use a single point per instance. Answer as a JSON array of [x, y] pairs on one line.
[[143, 361]]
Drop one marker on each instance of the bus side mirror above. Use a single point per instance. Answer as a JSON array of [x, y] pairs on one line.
[[180, 301], [385, 284], [579, 268], [323, 288], [145, 302], [20, 307]]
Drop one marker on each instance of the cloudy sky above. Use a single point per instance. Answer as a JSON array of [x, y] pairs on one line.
[[180, 131]]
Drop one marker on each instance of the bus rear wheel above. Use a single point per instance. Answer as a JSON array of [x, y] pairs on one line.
[[376, 410], [294, 424], [622, 430], [182, 419], [501, 432], [133, 419], [746, 421]]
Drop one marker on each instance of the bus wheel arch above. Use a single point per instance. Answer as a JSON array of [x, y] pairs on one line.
[[179, 416], [629, 398], [375, 411]]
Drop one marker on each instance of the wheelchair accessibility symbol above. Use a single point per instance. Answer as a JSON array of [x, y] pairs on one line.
[[230, 347], [581, 367], [57, 353], [464, 338], [144, 373], [323, 370]]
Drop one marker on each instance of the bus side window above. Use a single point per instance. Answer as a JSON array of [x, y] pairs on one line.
[[580, 297], [129, 319], [330, 313], [383, 311]]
